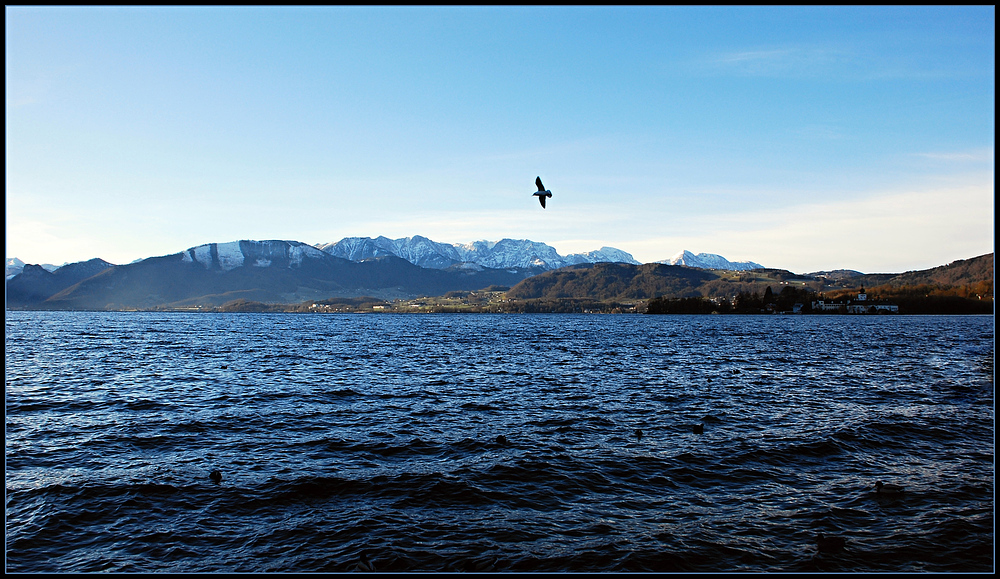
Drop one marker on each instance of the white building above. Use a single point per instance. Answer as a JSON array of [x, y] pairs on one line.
[[861, 305]]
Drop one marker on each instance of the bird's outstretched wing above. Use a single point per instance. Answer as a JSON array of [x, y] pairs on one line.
[[541, 199], [538, 181]]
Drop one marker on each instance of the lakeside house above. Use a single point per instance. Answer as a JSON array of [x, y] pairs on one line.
[[860, 305]]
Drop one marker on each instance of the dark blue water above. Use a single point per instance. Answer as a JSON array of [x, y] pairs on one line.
[[339, 436]]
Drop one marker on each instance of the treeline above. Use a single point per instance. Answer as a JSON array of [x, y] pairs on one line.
[[564, 306], [531, 306], [744, 302], [248, 306], [919, 299], [982, 290], [664, 305], [366, 303], [783, 301], [913, 300], [933, 298]]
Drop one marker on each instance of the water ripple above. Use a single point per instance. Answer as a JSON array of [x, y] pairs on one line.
[[497, 443]]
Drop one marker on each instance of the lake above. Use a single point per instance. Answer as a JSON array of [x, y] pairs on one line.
[[497, 442]]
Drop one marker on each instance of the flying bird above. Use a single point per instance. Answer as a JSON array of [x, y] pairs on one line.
[[542, 192]]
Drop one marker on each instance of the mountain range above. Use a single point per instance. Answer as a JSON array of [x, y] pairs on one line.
[[266, 271], [503, 254], [15, 265], [277, 271]]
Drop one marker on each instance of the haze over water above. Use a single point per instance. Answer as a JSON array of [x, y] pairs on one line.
[[338, 435]]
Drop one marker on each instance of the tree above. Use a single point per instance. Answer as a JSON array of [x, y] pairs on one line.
[[745, 302]]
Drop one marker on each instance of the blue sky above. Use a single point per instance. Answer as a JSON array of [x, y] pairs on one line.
[[805, 138]]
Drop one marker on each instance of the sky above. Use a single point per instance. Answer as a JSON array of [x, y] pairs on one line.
[[800, 138]]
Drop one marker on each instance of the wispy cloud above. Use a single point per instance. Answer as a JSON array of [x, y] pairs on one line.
[[858, 63], [784, 61]]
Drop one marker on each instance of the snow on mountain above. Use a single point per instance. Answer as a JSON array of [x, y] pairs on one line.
[[14, 266], [421, 251], [355, 248], [503, 254], [604, 254], [709, 261], [417, 250], [515, 253], [227, 256]]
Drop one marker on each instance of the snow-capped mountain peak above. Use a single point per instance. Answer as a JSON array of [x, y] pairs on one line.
[[509, 254], [14, 266], [709, 261], [504, 254], [228, 256]]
